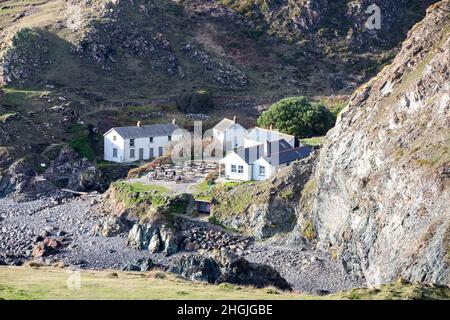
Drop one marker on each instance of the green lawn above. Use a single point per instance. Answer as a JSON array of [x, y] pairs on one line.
[[316, 141], [38, 283], [140, 187], [51, 283]]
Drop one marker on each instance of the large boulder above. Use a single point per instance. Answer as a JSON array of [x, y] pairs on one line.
[[196, 267], [113, 226], [139, 265], [223, 267]]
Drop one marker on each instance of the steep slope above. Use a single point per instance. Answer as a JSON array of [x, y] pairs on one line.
[[149, 48], [382, 197]]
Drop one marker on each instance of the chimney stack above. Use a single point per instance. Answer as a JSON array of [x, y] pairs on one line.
[[138, 124], [174, 121], [234, 119]]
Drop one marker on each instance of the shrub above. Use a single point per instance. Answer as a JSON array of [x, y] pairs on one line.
[[298, 116], [195, 102]]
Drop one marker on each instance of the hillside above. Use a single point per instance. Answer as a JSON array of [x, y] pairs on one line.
[[48, 283], [107, 63]]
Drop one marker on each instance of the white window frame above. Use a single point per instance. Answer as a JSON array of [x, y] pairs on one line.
[[115, 152], [114, 138], [240, 169], [132, 153], [233, 168], [132, 144], [151, 139]]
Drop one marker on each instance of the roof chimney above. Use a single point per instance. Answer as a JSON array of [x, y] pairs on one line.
[[174, 121], [138, 124], [234, 119]]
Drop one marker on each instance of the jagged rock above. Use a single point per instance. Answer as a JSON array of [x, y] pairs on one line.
[[153, 237], [169, 240], [139, 265], [154, 243], [224, 267], [114, 226]]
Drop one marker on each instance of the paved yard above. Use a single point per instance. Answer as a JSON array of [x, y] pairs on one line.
[[172, 185]]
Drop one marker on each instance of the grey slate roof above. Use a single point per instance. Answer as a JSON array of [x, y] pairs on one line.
[[154, 130], [224, 124], [251, 154], [289, 155]]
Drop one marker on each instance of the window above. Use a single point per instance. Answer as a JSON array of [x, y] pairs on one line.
[[131, 142], [262, 171], [151, 139], [233, 168], [240, 169], [169, 138], [132, 153], [114, 138], [114, 152]]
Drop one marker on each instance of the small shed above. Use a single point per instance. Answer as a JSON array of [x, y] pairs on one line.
[[203, 206]]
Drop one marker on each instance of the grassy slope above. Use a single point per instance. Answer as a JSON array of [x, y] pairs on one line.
[[51, 283]]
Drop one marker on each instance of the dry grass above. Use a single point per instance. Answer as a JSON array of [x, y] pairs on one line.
[[40, 282]]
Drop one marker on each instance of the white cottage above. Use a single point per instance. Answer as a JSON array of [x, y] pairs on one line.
[[230, 134], [260, 162], [129, 144]]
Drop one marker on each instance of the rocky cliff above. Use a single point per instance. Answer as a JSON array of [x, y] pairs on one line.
[[381, 193]]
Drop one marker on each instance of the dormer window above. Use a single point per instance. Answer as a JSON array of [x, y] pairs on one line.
[[131, 142]]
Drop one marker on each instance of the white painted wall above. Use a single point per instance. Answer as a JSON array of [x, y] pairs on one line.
[[232, 138], [124, 148], [256, 169], [110, 144], [234, 159]]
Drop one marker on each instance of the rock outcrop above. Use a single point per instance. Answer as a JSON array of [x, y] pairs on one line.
[[381, 193], [223, 267], [263, 209]]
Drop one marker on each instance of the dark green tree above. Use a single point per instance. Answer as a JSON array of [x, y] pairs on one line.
[[298, 116]]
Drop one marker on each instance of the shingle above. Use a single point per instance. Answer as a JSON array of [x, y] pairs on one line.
[[154, 130]]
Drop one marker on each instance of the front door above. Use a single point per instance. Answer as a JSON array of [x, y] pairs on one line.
[[151, 156], [160, 151], [141, 154]]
